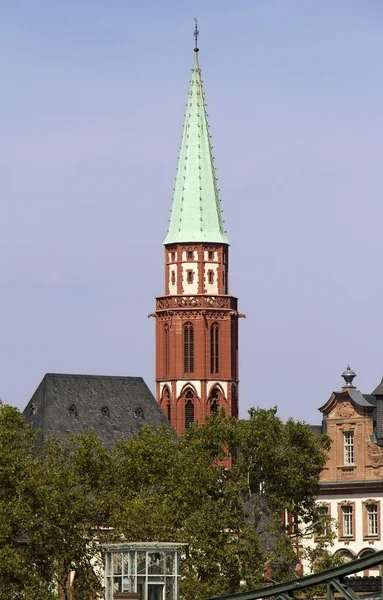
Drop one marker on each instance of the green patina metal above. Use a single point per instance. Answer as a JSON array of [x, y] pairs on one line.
[[196, 211]]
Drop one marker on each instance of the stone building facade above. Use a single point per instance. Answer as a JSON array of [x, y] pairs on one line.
[[351, 484]]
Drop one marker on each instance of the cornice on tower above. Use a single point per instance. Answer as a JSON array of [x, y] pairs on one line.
[[196, 211]]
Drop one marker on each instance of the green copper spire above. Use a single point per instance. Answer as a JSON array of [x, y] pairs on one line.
[[196, 212]]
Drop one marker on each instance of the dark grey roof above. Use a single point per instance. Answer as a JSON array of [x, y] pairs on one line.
[[114, 407], [316, 429], [379, 390], [370, 399], [359, 398]]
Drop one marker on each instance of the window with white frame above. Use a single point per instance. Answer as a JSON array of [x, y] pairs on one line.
[[347, 520], [349, 453], [372, 519], [323, 514]]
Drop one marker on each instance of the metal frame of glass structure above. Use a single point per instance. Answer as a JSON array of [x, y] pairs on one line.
[[150, 569]]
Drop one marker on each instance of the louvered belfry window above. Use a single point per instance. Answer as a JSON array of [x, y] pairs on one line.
[[214, 348], [188, 348]]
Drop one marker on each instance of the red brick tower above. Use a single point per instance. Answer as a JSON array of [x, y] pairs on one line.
[[196, 319]]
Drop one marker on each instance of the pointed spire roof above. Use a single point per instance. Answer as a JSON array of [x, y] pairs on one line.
[[196, 211]]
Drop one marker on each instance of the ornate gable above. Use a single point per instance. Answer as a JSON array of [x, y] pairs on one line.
[[342, 405]]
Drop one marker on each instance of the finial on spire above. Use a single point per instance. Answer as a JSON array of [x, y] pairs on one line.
[[196, 34]]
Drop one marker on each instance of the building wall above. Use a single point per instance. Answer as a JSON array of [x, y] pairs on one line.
[[351, 484], [344, 416], [360, 542], [196, 296]]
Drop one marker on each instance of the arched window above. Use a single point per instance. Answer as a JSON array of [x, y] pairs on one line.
[[214, 348], [165, 402], [214, 402], [166, 349], [234, 401], [189, 408], [188, 348], [214, 408]]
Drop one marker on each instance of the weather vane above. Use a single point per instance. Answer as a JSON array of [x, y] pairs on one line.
[[196, 34]]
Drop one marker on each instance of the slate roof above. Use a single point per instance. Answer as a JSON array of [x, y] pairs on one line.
[[316, 429], [370, 399], [359, 398], [114, 407], [379, 390]]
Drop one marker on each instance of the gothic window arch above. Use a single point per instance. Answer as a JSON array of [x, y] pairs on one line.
[[166, 403], [215, 400], [166, 348], [189, 408], [188, 348], [214, 348]]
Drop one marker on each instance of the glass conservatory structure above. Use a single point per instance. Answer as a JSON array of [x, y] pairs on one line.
[[149, 570]]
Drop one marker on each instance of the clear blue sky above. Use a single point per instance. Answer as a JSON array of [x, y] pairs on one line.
[[92, 101]]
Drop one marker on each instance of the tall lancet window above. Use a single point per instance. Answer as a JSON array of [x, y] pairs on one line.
[[166, 349], [214, 348], [214, 402], [166, 403], [188, 348], [189, 408]]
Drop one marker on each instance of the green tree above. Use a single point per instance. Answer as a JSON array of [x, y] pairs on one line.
[[275, 468], [57, 504], [52, 502], [73, 510], [25, 569]]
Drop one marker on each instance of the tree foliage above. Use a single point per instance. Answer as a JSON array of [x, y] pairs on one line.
[[60, 502]]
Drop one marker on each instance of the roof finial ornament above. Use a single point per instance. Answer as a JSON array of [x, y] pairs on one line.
[[348, 375], [196, 34]]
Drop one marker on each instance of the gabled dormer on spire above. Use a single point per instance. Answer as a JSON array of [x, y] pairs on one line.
[[196, 211]]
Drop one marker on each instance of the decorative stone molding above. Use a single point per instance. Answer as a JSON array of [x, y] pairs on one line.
[[217, 302], [346, 472], [375, 454], [187, 301], [344, 427], [166, 316], [217, 315], [163, 303], [345, 410], [189, 314]]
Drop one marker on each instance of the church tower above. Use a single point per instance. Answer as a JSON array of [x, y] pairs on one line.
[[196, 319]]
